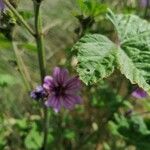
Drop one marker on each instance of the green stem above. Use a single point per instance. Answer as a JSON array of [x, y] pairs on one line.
[[42, 65], [39, 40], [38, 35], [22, 67], [45, 128], [20, 18]]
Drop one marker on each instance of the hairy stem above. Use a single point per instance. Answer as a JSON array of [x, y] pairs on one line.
[[39, 40], [20, 18], [38, 35], [42, 64], [22, 67]]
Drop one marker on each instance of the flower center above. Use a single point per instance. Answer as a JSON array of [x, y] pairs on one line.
[[59, 90]]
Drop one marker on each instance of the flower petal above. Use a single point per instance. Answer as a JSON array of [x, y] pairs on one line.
[[70, 101], [143, 3], [139, 93], [38, 93], [48, 82], [78, 99], [54, 102], [2, 6], [73, 84], [48, 79], [60, 75], [33, 95]]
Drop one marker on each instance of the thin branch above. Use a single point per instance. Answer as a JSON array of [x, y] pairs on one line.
[[22, 68], [20, 18]]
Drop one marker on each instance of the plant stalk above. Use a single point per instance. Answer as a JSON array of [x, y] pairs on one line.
[[20, 18], [38, 35], [22, 67], [39, 40], [42, 65]]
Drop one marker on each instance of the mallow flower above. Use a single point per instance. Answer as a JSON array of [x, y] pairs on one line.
[[2, 6], [144, 3], [38, 93], [63, 91], [139, 93]]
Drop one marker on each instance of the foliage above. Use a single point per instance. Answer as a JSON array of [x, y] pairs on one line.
[[111, 54], [134, 130], [98, 56]]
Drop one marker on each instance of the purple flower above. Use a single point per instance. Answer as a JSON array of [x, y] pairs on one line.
[[38, 93], [144, 3], [2, 6], [139, 93], [62, 90]]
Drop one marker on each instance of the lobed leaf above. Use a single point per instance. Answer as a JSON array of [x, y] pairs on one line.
[[96, 57], [133, 56]]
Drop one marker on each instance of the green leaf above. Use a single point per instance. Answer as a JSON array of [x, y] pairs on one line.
[[29, 46], [6, 79], [4, 43], [22, 124], [96, 57], [33, 140], [26, 14], [134, 130], [69, 134], [133, 56], [91, 8], [132, 70]]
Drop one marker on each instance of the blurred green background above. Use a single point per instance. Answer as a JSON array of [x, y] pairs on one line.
[[103, 122]]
